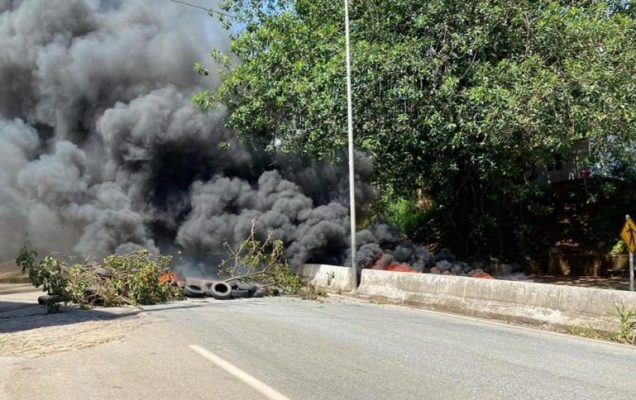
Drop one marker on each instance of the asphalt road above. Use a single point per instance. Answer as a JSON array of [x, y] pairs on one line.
[[342, 349]]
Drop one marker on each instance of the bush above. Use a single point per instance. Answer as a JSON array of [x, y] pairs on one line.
[[48, 273], [136, 277], [130, 279]]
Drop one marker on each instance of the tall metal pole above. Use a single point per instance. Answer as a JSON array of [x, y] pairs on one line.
[[352, 193]]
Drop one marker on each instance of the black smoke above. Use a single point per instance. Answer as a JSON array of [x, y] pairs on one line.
[[101, 149], [90, 93]]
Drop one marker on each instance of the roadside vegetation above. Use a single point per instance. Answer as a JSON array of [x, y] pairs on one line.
[[141, 278], [132, 279], [627, 325], [626, 332], [261, 261], [462, 109]]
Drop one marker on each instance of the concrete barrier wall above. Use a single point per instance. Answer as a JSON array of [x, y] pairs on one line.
[[559, 306], [328, 277]]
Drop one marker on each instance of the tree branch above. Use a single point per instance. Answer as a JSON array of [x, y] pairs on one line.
[[208, 10]]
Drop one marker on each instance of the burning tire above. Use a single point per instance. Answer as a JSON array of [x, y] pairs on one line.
[[191, 290], [220, 290]]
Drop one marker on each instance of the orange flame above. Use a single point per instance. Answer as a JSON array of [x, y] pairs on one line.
[[394, 266], [169, 277]]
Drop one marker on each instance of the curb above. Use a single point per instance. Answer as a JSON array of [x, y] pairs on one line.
[[543, 305]]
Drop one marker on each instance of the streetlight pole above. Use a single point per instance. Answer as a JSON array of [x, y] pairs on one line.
[[352, 194]]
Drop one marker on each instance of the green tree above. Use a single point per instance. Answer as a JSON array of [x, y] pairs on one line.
[[466, 100]]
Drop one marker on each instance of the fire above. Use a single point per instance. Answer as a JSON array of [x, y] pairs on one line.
[[400, 268], [482, 275], [381, 263], [169, 277]]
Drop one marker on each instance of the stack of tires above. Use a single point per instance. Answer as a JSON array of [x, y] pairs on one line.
[[221, 290]]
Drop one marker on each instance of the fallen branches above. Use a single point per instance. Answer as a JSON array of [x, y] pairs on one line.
[[133, 279], [260, 261]]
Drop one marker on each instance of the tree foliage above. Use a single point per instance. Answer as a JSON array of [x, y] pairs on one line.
[[467, 100]]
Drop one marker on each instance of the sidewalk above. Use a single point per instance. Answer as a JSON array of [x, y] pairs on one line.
[[26, 330]]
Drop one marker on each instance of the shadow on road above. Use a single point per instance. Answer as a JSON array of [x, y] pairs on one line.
[[16, 316]]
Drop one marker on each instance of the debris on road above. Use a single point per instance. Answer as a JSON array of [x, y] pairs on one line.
[[137, 278], [221, 290]]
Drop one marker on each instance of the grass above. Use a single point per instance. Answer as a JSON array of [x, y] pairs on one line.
[[586, 332], [626, 333], [310, 292], [627, 325]]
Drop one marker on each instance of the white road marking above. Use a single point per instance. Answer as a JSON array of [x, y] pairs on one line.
[[248, 379]]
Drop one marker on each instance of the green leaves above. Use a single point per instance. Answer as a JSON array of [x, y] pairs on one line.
[[464, 100], [133, 279], [48, 273], [200, 69]]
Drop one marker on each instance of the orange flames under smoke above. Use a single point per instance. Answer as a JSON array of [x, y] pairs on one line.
[[169, 277], [394, 266], [401, 267]]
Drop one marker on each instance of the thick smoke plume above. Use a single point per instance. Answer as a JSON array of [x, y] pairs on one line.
[[101, 149], [91, 93]]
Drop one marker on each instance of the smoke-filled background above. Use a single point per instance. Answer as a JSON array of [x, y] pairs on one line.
[[102, 151]]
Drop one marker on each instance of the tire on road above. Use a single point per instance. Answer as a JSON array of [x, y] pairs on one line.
[[191, 290], [220, 291]]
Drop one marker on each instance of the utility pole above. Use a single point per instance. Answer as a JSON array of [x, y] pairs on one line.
[[352, 193]]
